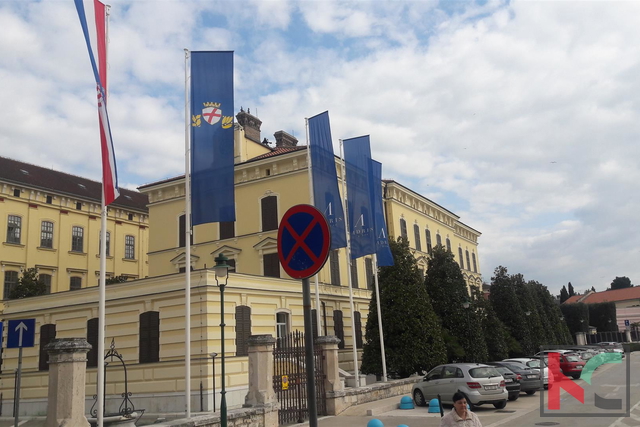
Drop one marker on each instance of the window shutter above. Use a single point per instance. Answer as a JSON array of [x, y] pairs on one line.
[[338, 327], [243, 329], [403, 229], [460, 256], [47, 334], [358, 321], [468, 263], [429, 246], [314, 323], [271, 265], [416, 233], [269, 213], [92, 338], [335, 267], [368, 265], [227, 230], [354, 274], [149, 347]]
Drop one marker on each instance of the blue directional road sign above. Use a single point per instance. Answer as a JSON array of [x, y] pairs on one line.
[[303, 241], [21, 333], [626, 323]]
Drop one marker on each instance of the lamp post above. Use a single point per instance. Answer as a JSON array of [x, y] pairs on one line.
[[221, 270], [213, 358], [466, 304]]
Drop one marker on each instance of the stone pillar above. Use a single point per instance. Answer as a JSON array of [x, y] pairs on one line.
[[627, 335], [67, 371], [581, 338], [333, 386], [260, 371]]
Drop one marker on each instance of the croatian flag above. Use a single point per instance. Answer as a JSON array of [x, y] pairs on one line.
[[109, 171]]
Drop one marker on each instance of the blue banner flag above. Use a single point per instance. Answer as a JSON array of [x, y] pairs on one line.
[[357, 157], [212, 192], [326, 196], [383, 251]]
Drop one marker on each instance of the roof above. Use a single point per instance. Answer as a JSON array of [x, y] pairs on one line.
[[606, 296], [32, 176], [276, 152]]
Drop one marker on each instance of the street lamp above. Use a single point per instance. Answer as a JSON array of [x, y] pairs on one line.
[[221, 270], [466, 304], [213, 357], [528, 313]]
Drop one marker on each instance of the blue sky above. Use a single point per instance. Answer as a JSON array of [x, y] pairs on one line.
[[520, 117]]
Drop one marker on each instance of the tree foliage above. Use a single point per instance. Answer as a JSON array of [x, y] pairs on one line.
[[576, 317], [556, 330], [621, 283], [412, 333], [115, 279], [496, 335], [447, 288], [572, 292], [603, 316], [29, 285], [564, 295]]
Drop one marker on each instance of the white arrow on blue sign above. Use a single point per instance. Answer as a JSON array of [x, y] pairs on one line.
[[21, 333]]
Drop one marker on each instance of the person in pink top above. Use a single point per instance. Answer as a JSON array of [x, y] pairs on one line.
[[460, 416]]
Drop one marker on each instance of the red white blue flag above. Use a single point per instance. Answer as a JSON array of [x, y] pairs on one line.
[[109, 170]]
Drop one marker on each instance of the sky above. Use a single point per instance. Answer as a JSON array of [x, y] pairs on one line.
[[520, 117]]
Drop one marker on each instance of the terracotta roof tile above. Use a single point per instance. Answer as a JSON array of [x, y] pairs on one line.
[[278, 151], [613, 296], [28, 175], [573, 299]]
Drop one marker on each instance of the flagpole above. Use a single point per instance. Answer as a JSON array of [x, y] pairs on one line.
[[351, 306], [384, 360], [313, 203], [187, 242]]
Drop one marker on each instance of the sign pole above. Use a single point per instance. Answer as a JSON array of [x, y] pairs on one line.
[[17, 396], [308, 350]]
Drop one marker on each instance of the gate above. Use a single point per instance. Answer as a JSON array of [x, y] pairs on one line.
[[290, 379], [605, 337]]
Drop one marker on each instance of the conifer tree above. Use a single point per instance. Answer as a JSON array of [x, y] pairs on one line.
[[412, 332], [448, 291], [572, 292], [495, 333], [564, 295]]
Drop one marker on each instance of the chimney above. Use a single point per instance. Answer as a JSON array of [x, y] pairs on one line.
[[283, 139], [251, 125]]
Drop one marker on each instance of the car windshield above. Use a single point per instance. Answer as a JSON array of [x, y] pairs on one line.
[[573, 359], [533, 363], [503, 370], [485, 372]]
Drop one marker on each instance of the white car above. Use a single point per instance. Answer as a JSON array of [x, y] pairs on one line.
[[533, 364]]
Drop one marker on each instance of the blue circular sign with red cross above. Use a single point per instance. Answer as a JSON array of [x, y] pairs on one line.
[[303, 241]]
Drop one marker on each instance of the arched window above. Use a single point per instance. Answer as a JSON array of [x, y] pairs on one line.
[[416, 234], [468, 263], [448, 244], [438, 239], [475, 267], [429, 246], [460, 258], [403, 229]]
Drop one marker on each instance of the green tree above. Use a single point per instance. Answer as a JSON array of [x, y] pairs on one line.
[[564, 295], [572, 292], [446, 285], [576, 317], [550, 315], [29, 285], [506, 304], [593, 289], [115, 279], [603, 316], [621, 283], [412, 333], [496, 335]]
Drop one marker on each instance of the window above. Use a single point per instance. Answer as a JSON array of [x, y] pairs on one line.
[[46, 280], [416, 234], [429, 246], [368, 265], [129, 247], [92, 338], [243, 329], [461, 260], [46, 234], [182, 232], [16, 192], [358, 322], [47, 334], [49, 200], [338, 327], [271, 265], [10, 282], [403, 229], [354, 273], [475, 267], [130, 217], [75, 283], [13, 229], [468, 263], [149, 348], [78, 206], [334, 265], [438, 239], [282, 324], [314, 323], [77, 239], [227, 230], [269, 213], [108, 245], [448, 244]]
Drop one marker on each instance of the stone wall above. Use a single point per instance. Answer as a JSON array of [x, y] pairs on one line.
[[265, 416], [339, 401]]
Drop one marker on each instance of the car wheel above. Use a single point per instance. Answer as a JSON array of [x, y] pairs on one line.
[[418, 398], [513, 397], [531, 392], [500, 405], [576, 376]]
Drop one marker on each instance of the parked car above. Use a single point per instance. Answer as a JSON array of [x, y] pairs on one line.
[[534, 363], [571, 365], [511, 380], [480, 383], [529, 378]]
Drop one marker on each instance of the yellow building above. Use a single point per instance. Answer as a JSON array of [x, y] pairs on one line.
[[146, 317], [51, 222]]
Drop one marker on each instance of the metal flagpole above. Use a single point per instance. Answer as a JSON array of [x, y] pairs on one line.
[[187, 242], [103, 268], [384, 360], [351, 306], [318, 319]]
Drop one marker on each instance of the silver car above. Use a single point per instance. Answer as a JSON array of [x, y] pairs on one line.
[[481, 384]]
